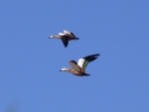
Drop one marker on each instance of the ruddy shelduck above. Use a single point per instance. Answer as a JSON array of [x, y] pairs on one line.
[[65, 37], [78, 69]]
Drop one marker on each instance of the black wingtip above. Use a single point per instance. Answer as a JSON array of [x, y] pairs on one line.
[[94, 55], [66, 45], [91, 57], [65, 40], [73, 61]]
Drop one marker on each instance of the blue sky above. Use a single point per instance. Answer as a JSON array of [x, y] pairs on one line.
[[30, 80]]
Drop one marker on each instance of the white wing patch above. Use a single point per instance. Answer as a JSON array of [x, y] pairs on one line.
[[66, 32], [81, 62], [61, 34]]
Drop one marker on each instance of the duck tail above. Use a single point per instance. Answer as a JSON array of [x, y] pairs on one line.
[[85, 74], [76, 38]]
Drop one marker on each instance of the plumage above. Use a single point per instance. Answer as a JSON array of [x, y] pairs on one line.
[[79, 68], [65, 40], [83, 62], [75, 66], [69, 33], [66, 36]]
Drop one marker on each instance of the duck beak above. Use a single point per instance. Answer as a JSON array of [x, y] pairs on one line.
[[60, 70]]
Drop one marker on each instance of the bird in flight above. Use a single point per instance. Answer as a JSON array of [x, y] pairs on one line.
[[66, 36], [78, 69]]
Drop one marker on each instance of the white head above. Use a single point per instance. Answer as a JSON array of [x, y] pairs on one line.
[[64, 70], [52, 36]]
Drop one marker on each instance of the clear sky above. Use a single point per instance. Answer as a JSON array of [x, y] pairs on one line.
[[30, 80]]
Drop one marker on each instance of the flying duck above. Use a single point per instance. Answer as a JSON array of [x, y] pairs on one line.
[[65, 37], [78, 69]]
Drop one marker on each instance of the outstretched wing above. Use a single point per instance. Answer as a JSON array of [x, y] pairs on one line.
[[74, 65], [65, 40], [69, 33], [83, 62]]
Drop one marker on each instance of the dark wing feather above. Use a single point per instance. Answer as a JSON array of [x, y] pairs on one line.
[[74, 65], [73, 34], [65, 40], [91, 57]]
